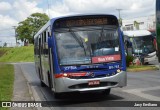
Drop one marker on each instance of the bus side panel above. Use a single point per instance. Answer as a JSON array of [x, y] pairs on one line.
[[122, 51], [53, 60], [56, 67]]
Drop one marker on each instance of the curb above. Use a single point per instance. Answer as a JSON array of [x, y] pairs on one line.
[[33, 94]]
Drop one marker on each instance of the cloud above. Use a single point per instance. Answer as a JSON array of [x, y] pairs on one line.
[[130, 8], [6, 28], [14, 11], [24, 8], [4, 6]]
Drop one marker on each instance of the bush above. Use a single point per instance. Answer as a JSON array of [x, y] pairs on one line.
[[129, 59]]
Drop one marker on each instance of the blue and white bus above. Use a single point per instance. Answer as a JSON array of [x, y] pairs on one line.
[[80, 54], [142, 44]]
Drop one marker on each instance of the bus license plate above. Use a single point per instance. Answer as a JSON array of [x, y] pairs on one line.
[[96, 82]]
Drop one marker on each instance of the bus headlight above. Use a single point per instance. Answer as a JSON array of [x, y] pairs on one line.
[[118, 71], [65, 75]]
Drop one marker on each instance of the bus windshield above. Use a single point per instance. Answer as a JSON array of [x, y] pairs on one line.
[[84, 45], [142, 44]]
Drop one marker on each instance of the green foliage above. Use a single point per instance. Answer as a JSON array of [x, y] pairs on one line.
[[6, 82], [5, 44], [129, 59], [30, 26], [136, 68], [17, 54], [3, 51]]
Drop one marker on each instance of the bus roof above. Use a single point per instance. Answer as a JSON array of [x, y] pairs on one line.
[[80, 15], [136, 33], [51, 21]]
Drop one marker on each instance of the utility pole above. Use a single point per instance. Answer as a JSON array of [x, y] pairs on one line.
[[14, 27], [119, 11], [120, 20]]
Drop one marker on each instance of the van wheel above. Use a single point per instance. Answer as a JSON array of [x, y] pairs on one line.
[[106, 92]]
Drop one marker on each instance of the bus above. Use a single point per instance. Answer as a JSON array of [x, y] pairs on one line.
[[142, 43], [158, 27], [81, 53]]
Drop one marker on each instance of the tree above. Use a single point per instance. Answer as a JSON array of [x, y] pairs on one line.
[[5, 44], [30, 26]]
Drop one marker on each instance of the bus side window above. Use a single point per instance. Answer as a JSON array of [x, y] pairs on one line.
[[46, 43], [43, 43], [39, 45], [36, 46], [42, 40]]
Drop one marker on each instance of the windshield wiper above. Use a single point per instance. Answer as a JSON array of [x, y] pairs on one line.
[[100, 39], [80, 42]]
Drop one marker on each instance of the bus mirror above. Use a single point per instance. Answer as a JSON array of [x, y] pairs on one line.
[[129, 44], [128, 47]]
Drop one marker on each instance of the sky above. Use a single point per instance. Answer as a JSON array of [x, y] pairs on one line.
[[14, 11]]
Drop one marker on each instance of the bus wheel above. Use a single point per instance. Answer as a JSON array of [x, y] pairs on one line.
[[106, 92], [49, 80], [57, 95], [42, 84]]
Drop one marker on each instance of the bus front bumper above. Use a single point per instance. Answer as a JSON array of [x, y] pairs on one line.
[[150, 57], [81, 85]]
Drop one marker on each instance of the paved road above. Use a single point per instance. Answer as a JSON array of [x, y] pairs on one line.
[[142, 86]]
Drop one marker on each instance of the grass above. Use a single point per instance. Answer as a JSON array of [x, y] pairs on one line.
[[17, 54], [6, 83], [135, 68], [3, 51]]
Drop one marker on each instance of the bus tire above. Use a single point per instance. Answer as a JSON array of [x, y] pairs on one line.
[[106, 92], [49, 80], [57, 95], [42, 84], [39, 74]]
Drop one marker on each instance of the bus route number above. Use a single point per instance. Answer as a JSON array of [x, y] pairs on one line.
[[113, 67]]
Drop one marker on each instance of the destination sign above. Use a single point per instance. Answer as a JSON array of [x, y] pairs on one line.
[[108, 58], [85, 21]]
